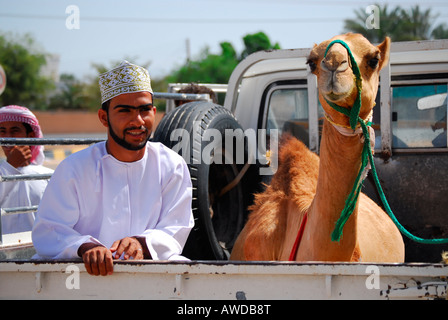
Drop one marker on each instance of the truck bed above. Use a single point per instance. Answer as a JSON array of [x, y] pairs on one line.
[[23, 278]]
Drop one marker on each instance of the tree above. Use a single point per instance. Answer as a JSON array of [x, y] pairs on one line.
[[440, 32], [22, 62], [217, 68], [399, 24], [70, 94], [389, 20], [209, 68], [257, 42], [416, 24]]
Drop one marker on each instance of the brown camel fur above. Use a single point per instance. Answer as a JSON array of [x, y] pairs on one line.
[[305, 183]]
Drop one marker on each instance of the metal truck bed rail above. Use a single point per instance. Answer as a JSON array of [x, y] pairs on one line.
[[26, 177], [69, 141], [223, 280]]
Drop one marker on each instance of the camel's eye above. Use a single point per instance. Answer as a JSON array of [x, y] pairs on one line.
[[312, 65], [373, 62]]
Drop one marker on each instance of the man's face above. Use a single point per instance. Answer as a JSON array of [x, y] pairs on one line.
[[130, 119], [13, 129]]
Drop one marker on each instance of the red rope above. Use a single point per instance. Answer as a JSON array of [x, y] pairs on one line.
[[292, 256]]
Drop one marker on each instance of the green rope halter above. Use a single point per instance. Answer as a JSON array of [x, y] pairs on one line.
[[353, 114], [366, 157]]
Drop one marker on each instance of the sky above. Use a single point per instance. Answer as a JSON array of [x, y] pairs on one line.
[[157, 32]]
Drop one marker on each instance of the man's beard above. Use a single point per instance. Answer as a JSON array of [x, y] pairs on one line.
[[123, 142]]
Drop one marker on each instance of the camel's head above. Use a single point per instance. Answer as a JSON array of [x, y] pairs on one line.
[[334, 71]]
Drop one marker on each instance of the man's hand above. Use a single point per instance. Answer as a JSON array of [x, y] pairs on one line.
[[130, 246], [97, 259], [19, 156]]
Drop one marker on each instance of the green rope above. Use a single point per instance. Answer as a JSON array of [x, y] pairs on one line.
[[366, 157], [354, 114], [386, 204]]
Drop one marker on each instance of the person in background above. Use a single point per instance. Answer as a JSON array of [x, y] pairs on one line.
[[19, 122], [123, 198]]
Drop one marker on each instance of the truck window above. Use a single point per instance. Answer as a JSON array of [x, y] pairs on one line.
[[419, 115], [288, 112]]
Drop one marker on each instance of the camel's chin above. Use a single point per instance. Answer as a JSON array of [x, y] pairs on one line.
[[336, 97]]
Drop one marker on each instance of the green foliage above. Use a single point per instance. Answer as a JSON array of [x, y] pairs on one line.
[[22, 62], [416, 24], [257, 42], [70, 95], [209, 68], [440, 32], [397, 23], [217, 68]]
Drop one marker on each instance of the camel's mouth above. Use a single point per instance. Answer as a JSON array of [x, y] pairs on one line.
[[335, 97], [339, 92]]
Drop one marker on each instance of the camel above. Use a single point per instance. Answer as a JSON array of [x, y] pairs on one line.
[[308, 192]]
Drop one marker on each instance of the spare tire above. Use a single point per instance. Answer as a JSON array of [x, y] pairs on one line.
[[191, 130]]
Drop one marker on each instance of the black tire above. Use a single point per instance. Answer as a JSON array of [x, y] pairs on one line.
[[218, 218]]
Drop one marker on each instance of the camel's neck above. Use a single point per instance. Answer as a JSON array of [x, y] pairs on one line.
[[340, 161]]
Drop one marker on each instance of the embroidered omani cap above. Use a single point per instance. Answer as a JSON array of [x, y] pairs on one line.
[[126, 78]]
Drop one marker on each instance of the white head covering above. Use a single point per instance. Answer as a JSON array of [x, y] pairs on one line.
[[126, 78], [22, 114]]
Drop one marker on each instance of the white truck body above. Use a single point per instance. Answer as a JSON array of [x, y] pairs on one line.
[[221, 280]]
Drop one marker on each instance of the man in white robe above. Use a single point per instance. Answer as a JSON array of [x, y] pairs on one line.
[[19, 122], [124, 198]]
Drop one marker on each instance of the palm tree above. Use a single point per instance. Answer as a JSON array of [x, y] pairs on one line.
[[440, 32], [389, 20], [399, 24], [416, 24]]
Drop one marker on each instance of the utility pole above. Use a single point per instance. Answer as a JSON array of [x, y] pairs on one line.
[[187, 47]]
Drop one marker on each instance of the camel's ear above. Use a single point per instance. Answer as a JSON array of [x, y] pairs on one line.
[[312, 51], [384, 49], [312, 59]]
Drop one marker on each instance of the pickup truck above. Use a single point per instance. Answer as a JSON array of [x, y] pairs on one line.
[[273, 92], [230, 151]]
